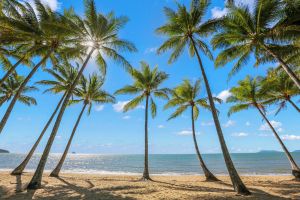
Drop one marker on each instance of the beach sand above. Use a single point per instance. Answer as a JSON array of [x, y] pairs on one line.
[[95, 186]]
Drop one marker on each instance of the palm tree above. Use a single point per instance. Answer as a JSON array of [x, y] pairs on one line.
[[146, 83], [280, 89], [89, 92], [54, 33], [186, 28], [186, 96], [64, 76], [99, 35], [11, 86], [249, 94], [244, 32]]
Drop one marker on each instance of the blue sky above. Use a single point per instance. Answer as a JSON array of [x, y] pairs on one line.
[[109, 130]]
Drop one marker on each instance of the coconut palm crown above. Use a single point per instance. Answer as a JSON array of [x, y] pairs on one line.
[[244, 33]]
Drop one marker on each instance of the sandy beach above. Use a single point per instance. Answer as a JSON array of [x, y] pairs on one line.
[[95, 186]]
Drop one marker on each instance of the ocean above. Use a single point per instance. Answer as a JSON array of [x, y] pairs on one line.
[[274, 163]]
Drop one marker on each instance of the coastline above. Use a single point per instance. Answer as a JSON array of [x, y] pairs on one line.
[[100, 186]]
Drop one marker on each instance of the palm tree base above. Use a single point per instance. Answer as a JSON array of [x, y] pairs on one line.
[[34, 186], [16, 172], [296, 174], [54, 175], [242, 190], [146, 178], [211, 178]]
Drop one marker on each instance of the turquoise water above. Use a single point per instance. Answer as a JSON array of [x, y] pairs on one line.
[[171, 164]]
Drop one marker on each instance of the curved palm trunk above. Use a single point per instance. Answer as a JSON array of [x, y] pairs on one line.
[[58, 167], [11, 70], [36, 180], [291, 102], [285, 67], [295, 168], [238, 184], [19, 170], [18, 93], [209, 176], [146, 175]]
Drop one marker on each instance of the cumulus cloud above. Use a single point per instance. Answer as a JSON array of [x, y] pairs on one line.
[[99, 108], [126, 117], [229, 123], [186, 133], [248, 123], [290, 137], [277, 125], [224, 95], [160, 126], [241, 134], [210, 123], [218, 12], [119, 106], [151, 50]]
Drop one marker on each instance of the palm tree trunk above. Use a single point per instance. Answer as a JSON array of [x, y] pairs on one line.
[[146, 175], [209, 176], [238, 184], [19, 170], [286, 68], [291, 102], [58, 167], [11, 70], [18, 93], [36, 180], [295, 168]]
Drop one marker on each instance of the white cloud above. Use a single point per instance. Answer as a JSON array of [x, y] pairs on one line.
[[241, 134], [126, 117], [186, 133], [248, 123], [210, 123], [277, 125], [229, 123], [99, 108], [160, 126], [224, 95], [290, 137], [53, 4], [119, 106], [218, 12], [151, 50]]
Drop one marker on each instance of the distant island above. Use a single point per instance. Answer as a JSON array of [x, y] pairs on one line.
[[3, 151], [269, 151], [296, 151]]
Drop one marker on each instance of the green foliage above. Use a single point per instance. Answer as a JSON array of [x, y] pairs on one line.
[[185, 27], [146, 85], [10, 87], [187, 95]]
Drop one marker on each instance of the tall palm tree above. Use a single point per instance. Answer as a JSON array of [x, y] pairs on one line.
[[64, 75], [11, 86], [186, 28], [89, 92], [244, 33], [54, 33], [146, 85], [248, 94], [99, 35], [280, 89], [186, 96]]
